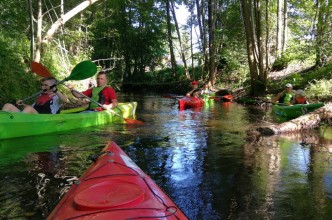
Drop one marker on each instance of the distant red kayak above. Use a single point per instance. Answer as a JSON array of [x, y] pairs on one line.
[[114, 187], [227, 98], [190, 102], [224, 98]]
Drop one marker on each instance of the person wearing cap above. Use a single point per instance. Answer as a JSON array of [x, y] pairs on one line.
[[300, 97], [285, 97], [194, 86]]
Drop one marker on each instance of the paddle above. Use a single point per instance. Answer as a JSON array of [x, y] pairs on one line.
[[40, 70], [128, 120], [83, 70]]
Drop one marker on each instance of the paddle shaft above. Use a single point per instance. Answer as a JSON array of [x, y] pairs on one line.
[[99, 104], [32, 96], [41, 91]]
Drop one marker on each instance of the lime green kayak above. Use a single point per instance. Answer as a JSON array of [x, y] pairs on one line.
[[294, 111], [17, 124]]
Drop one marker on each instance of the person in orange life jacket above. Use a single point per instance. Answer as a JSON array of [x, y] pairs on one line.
[[102, 93], [49, 102], [194, 86], [284, 97], [300, 97]]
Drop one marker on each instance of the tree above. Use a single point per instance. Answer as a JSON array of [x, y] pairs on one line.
[[170, 37], [253, 25], [180, 41]]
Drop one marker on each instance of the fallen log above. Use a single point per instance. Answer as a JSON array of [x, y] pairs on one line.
[[307, 121]]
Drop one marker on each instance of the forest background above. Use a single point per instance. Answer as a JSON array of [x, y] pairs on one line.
[[233, 44]]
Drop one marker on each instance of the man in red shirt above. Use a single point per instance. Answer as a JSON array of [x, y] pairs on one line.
[[102, 93]]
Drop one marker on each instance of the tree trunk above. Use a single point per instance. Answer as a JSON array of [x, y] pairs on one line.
[[253, 24], [65, 18], [39, 32], [307, 121], [180, 41], [248, 28], [279, 28], [212, 43], [203, 34], [323, 16], [267, 24], [285, 27], [170, 39], [32, 33]]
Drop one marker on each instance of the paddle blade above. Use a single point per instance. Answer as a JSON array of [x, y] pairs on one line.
[[83, 70], [40, 70], [133, 121]]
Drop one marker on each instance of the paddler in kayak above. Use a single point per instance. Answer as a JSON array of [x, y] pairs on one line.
[[194, 86], [285, 97], [49, 102], [102, 94], [300, 97]]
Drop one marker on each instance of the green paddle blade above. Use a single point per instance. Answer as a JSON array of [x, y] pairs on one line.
[[83, 70]]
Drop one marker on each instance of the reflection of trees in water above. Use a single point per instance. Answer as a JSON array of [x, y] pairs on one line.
[[53, 173], [272, 183]]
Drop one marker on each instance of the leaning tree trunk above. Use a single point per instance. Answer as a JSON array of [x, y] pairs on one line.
[[307, 121]]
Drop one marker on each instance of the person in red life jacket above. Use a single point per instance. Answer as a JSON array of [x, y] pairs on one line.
[[194, 86], [49, 102], [102, 94], [300, 97], [285, 97]]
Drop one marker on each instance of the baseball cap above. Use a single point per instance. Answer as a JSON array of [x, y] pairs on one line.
[[288, 85], [194, 83]]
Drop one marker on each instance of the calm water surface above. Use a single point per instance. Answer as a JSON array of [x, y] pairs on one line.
[[202, 159]]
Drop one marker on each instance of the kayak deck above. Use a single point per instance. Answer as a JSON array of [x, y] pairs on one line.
[[190, 102], [294, 111], [17, 124], [114, 187]]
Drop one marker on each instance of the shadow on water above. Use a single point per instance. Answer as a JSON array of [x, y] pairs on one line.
[[201, 158]]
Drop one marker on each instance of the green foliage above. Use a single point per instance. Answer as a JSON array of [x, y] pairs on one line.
[[281, 62], [131, 34], [319, 89], [16, 80]]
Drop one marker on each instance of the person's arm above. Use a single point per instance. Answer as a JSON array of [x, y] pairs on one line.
[[277, 97], [111, 96], [75, 93], [112, 105], [63, 98], [188, 94]]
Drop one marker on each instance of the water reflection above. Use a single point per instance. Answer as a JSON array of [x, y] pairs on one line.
[[200, 158]]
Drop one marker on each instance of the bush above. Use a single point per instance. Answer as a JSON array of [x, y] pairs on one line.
[[281, 62], [320, 89]]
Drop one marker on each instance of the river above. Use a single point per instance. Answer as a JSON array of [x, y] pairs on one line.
[[202, 159]]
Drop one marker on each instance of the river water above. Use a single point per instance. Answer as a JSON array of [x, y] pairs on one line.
[[203, 159]]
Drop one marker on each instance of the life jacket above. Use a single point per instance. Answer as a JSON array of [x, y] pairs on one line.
[[300, 100], [286, 97], [105, 96], [47, 104]]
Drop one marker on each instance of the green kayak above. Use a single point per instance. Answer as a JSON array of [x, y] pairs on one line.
[[294, 111], [17, 124]]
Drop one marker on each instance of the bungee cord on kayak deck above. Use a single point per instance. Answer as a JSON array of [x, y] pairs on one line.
[[109, 153]]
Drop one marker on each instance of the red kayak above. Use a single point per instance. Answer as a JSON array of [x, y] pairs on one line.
[[114, 187], [190, 102], [224, 98]]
